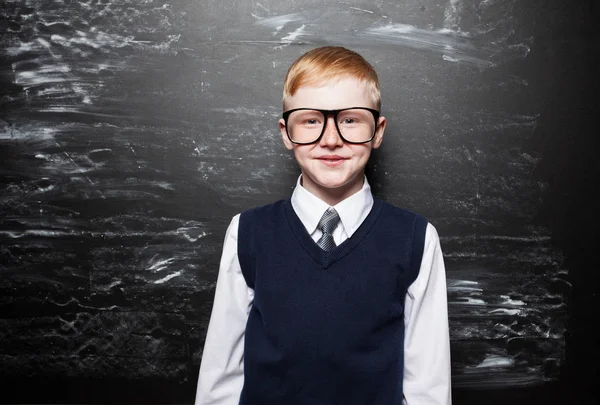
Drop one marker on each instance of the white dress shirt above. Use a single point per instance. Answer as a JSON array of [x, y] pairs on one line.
[[426, 340]]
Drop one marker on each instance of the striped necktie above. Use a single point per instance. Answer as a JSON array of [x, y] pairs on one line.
[[327, 224]]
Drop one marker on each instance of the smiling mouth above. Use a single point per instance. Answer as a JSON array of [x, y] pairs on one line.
[[332, 160]]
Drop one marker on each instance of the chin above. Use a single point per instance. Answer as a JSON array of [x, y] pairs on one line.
[[334, 183]]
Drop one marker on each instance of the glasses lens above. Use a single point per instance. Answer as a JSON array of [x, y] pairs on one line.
[[305, 126], [355, 125]]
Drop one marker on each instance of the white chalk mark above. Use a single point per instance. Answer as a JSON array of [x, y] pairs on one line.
[[169, 277], [510, 301], [506, 311], [292, 36], [454, 46], [449, 58], [525, 239], [160, 265], [38, 232], [259, 112], [464, 282], [80, 169], [495, 361], [101, 150], [196, 147], [187, 233], [263, 7], [278, 22], [464, 286], [74, 300], [470, 301], [363, 10], [114, 284]]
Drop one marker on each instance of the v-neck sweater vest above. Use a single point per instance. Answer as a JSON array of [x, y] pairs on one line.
[[327, 327]]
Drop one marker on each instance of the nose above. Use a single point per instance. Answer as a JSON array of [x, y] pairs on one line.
[[331, 138]]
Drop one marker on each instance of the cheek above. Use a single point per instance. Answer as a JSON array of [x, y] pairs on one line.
[[301, 153], [362, 151]]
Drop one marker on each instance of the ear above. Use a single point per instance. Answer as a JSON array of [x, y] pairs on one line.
[[381, 123], [286, 141]]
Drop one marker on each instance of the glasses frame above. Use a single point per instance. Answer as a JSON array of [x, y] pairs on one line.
[[326, 114]]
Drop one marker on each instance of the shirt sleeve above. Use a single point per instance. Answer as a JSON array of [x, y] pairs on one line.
[[222, 370], [427, 338]]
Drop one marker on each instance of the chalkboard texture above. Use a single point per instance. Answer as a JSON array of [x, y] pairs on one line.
[[131, 133]]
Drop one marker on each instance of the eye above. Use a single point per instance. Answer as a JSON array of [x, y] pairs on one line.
[[349, 120]]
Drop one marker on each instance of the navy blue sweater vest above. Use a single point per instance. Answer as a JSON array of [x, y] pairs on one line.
[[326, 327]]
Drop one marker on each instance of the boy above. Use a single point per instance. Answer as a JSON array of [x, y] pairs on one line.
[[331, 296]]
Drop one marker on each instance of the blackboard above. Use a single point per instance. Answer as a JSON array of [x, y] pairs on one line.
[[131, 133]]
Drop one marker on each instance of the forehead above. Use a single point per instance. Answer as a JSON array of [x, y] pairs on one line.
[[332, 94]]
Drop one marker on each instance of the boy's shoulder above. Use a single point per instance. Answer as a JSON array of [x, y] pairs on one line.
[[267, 214], [388, 210]]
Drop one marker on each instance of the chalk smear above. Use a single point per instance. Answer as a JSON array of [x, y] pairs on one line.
[[450, 42], [169, 277], [294, 36], [453, 46], [278, 22], [495, 361]]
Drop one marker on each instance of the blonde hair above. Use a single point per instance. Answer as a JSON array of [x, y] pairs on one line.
[[320, 65]]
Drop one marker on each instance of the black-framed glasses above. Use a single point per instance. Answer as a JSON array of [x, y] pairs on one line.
[[354, 124]]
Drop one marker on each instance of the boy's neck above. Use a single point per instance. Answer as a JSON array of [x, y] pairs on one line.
[[333, 196]]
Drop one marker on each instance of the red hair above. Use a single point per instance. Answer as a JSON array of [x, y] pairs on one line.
[[320, 65]]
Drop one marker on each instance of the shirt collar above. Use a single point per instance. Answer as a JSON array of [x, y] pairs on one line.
[[352, 211]]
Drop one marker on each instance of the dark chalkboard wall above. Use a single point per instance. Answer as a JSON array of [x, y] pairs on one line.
[[131, 133]]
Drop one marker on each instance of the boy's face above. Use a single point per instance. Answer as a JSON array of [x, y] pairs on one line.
[[331, 168]]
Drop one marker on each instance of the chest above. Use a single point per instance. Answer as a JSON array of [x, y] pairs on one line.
[[357, 295]]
